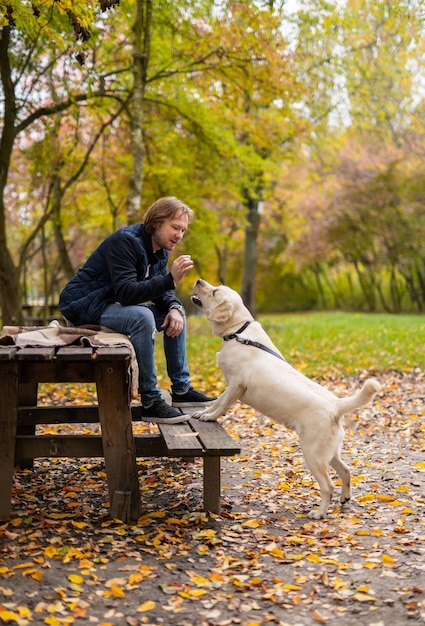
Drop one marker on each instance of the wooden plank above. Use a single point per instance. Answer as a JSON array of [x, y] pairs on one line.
[[180, 440], [113, 392], [136, 412], [69, 414], [74, 353], [38, 446], [7, 352], [150, 445], [8, 403], [214, 439], [57, 371], [72, 414], [36, 354], [52, 446], [112, 353]]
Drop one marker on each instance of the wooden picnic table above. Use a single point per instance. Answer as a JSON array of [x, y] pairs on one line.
[[21, 371]]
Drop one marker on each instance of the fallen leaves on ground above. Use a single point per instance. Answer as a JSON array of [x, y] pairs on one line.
[[262, 561]]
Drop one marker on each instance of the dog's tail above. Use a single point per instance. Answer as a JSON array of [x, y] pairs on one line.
[[365, 395]]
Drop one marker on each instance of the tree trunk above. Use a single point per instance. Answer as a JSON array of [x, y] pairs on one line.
[[65, 261], [141, 49], [250, 255], [10, 296]]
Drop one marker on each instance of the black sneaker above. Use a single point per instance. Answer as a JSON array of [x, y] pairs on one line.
[[162, 413], [190, 398]]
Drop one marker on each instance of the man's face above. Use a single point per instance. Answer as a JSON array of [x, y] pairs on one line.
[[171, 231]]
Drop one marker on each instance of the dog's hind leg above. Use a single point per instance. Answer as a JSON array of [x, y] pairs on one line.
[[343, 472], [326, 486], [317, 459]]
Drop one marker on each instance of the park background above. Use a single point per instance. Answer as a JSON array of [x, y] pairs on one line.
[[294, 130]]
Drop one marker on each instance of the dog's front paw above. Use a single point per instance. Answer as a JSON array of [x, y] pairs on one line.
[[208, 417], [203, 416]]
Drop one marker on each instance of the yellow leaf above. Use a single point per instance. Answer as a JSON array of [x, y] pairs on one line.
[[199, 580], [149, 605], [50, 551], [314, 558], [8, 616], [367, 498], [252, 523], [371, 565], [208, 532], [75, 578], [420, 465], [25, 565], [24, 611], [115, 592], [339, 584], [135, 579], [319, 618], [385, 498], [364, 597], [35, 574], [197, 593], [387, 559], [277, 552]]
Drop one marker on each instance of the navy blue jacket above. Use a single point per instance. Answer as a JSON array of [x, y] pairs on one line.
[[123, 268]]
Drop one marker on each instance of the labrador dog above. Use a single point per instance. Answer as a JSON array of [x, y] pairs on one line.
[[258, 375]]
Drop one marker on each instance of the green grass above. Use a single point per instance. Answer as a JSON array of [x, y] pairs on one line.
[[323, 344]]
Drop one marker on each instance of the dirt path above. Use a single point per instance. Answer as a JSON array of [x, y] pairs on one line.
[[261, 562]]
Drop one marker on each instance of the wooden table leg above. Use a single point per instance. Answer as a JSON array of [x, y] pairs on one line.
[[27, 396], [8, 422], [212, 484], [112, 381]]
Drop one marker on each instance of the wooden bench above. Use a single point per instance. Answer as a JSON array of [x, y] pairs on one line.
[[22, 369]]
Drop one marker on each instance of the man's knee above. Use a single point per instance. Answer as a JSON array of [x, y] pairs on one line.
[[143, 318]]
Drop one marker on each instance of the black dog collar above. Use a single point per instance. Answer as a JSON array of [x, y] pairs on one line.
[[233, 335]]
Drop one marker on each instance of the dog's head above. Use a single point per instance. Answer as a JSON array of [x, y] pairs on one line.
[[222, 305]]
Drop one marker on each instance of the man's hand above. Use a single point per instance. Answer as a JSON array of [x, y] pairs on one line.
[[180, 267], [173, 323]]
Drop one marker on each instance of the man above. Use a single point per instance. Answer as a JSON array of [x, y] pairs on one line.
[[125, 285]]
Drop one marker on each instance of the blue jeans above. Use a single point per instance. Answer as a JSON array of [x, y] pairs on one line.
[[141, 322]]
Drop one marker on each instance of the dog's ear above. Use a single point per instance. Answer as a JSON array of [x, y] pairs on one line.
[[222, 312]]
